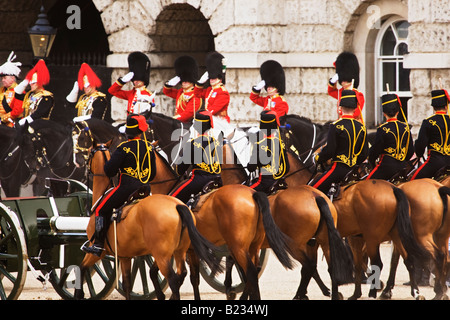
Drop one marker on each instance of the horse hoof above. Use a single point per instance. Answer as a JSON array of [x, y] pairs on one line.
[[440, 297], [386, 295], [231, 295], [302, 298], [338, 296], [420, 297]]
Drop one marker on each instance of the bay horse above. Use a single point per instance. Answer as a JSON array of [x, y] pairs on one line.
[[303, 213], [236, 216], [159, 225], [430, 218]]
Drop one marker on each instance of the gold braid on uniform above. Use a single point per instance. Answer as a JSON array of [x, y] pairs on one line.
[[142, 174]]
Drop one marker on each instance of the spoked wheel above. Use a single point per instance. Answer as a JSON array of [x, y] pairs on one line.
[[99, 282], [13, 255], [141, 284], [217, 282]]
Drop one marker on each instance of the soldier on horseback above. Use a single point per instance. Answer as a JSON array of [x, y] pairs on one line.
[[38, 103], [346, 144], [268, 153], [187, 104], [10, 107], [393, 142], [92, 103], [135, 161], [202, 152], [140, 99], [434, 134]]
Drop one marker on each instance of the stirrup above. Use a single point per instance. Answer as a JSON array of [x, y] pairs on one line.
[[94, 249]]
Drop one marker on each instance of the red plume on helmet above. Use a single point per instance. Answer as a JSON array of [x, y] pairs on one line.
[[87, 76], [39, 74]]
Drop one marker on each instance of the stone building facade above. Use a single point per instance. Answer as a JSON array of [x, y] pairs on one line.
[[405, 43]]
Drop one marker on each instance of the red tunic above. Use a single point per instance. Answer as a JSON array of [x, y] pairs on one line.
[[129, 95], [216, 99], [335, 93], [275, 103], [187, 103]]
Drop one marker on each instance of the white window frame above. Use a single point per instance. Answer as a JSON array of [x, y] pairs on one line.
[[380, 87]]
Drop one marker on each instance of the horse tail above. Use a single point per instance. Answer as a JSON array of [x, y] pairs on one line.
[[204, 249], [443, 193], [405, 229], [341, 258], [278, 241]]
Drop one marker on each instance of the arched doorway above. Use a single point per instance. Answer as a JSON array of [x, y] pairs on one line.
[[390, 47]]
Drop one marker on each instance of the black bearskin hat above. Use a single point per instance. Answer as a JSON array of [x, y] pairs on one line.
[[215, 66], [186, 68], [139, 63], [439, 98], [391, 104], [273, 74], [348, 99], [347, 68], [269, 120]]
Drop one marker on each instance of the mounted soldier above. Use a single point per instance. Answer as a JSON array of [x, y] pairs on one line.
[[393, 142], [274, 81], [268, 153], [347, 74], [346, 146], [187, 104], [140, 99], [11, 92], [434, 135], [135, 161], [216, 97], [92, 103], [38, 103], [204, 154]]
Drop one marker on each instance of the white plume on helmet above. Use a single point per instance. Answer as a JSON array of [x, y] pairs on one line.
[[10, 68]]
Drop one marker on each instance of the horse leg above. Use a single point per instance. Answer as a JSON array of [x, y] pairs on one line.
[[309, 269], [154, 277], [194, 266], [387, 292], [229, 291], [171, 276], [88, 261], [356, 244], [125, 264], [373, 252]]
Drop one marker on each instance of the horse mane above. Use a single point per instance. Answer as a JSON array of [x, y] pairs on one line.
[[166, 163], [296, 117]]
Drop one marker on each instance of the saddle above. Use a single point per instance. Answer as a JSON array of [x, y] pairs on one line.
[[141, 193], [280, 184], [211, 186], [442, 173]]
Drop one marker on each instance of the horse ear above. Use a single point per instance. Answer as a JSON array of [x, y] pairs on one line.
[[108, 144]]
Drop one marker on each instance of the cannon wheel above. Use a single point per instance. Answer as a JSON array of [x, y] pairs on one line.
[[13, 255], [217, 282], [98, 283], [141, 284]]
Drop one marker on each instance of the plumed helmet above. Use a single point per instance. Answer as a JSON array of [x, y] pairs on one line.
[[216, 66], [10, 68], [186, 68], [87, 77], [136, 125], [273, 74], [439, 98], [140, 65], [39, 74], [347, 68]]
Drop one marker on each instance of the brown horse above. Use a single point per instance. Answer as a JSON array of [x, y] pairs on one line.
[[234, 215], [159, 225], [430, 219], [315, 218]]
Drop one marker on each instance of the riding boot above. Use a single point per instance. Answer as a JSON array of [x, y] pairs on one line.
[[99, 238]]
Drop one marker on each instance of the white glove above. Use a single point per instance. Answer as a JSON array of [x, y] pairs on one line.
[[72, 96], [122, 128], [260, 85], [28, 119], [20, 88], [253, 130], [81, 118], [334, 79], [127, 78], [204, 77], [174, 81]]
